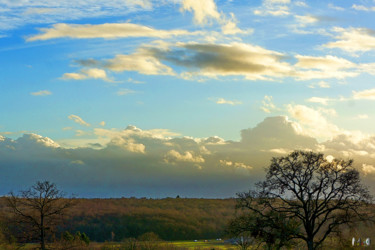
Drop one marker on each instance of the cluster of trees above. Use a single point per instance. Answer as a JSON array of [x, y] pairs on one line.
[[170, 218], [304, 198]]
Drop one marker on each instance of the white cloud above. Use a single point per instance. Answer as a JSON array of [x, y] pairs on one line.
[[300, 4], [320, 100], [273, 8], [102, 123], [368, 94], [363, 8], [125, 92], [267, 104], [94, 73], [107, 31], [78, 120], [328, 66], [321, 84], [353, 39], [41, 93], [363, 116], [315, 124], [306, 20], [18, 13], [203, 10], [224, 101], [334, 7]]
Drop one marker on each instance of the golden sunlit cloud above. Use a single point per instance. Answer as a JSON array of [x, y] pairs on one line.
[[106, 31]]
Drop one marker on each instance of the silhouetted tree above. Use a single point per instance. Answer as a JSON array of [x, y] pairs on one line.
[[319, 194], [39, 209], [273, 229]]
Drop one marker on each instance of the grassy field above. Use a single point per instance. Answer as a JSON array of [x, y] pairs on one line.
[[186, 245], [212, 244]]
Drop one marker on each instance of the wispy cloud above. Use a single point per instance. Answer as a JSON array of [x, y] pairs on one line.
[[203, 10], [267, 104], [125, 92], [107, 31], [321, 84], [41, 93], [78, 120], [362, 116], [363, 8], [224, 101], [368, 94], [353, 39], [273, 8]]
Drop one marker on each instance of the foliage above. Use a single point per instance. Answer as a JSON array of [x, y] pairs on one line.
[[170, 218], [320, 195]]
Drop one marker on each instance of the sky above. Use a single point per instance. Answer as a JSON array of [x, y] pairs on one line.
[[162, 98]]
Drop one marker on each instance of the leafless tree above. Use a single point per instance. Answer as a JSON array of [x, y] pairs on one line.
[[39, 209], [321, 195]]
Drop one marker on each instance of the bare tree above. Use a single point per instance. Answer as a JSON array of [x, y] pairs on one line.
[[39, 209], [321, 195]]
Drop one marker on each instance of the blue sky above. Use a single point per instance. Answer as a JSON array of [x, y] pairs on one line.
[[177, 86]]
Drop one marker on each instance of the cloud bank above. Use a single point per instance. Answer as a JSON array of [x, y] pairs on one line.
[[158, 163]]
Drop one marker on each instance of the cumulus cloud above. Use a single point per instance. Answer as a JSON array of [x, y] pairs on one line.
[[314, 122], [174, 156], [107, 31], [41, 93], [353, 39], [78, 120], [135, 159]]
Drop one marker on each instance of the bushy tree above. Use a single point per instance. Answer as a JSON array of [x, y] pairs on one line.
[[319, 194]]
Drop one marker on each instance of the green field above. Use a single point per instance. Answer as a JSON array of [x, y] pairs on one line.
[[212, 244]]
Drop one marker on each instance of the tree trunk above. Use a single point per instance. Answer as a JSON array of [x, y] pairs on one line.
[[310, 244], [42, 233]]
